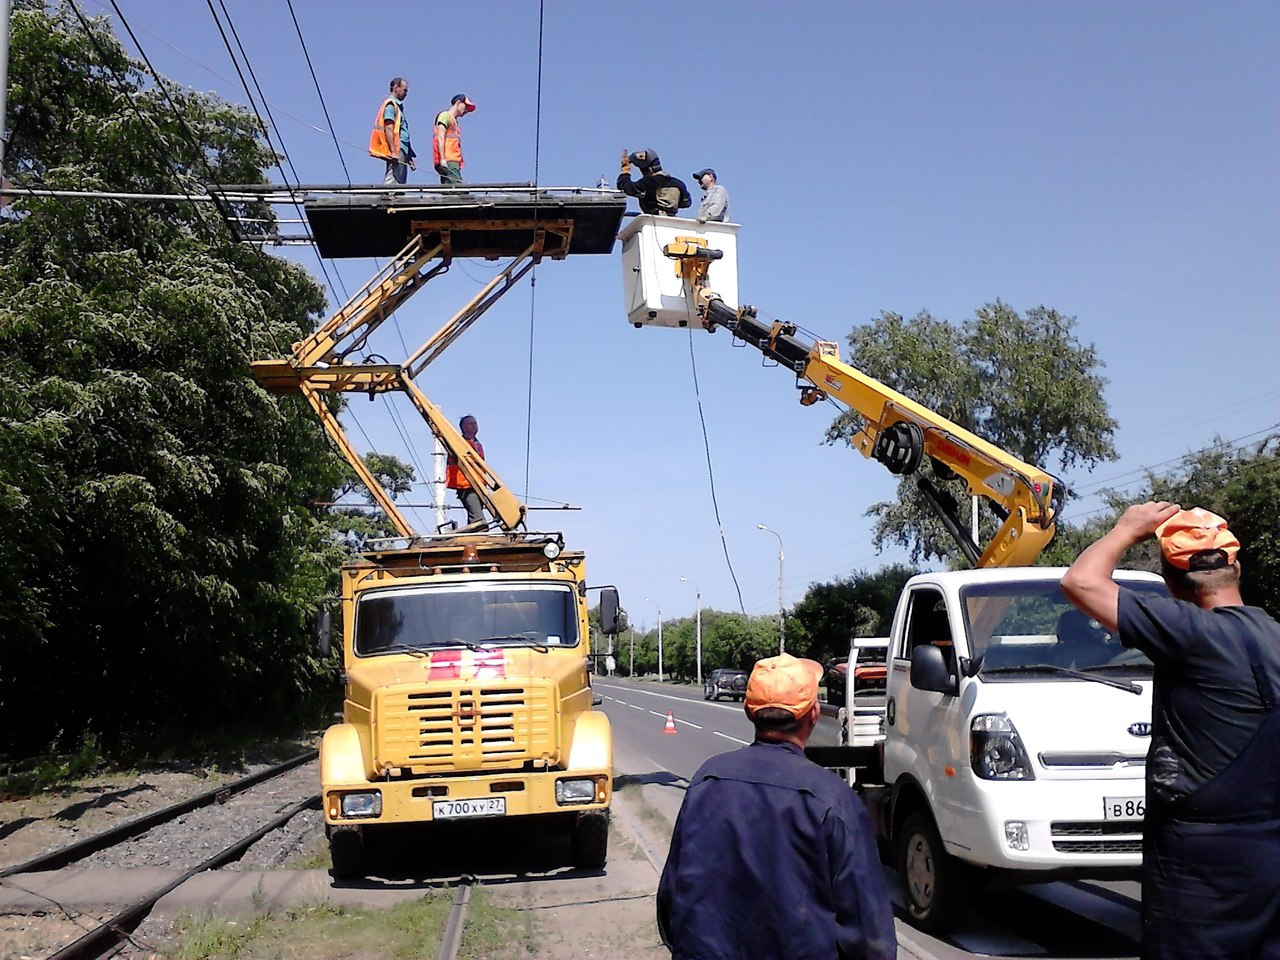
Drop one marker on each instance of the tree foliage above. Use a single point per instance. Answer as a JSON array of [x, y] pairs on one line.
[[1239, 484], [860, 605], [1022, 381], [161, 560]]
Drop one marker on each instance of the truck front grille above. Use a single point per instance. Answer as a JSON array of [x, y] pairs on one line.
[[466, 726], [1096, 836]]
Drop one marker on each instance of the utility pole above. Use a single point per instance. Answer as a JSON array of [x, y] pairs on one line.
[[782, 602], [655, 603], [6, 7], [631, 663], [438, 459], [697, 590]]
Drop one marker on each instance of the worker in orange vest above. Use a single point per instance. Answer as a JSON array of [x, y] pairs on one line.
[[453, 476], [448, 139], [389, 140]]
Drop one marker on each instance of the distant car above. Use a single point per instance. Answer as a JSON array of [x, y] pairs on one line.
[[835, 678], [725, 683]]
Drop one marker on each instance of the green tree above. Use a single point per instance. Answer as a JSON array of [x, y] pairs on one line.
[[1240, 484], [162, 561], [394, 476], [860, 605], [1023, 382]]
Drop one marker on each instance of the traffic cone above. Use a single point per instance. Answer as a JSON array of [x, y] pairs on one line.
[[671, 724]]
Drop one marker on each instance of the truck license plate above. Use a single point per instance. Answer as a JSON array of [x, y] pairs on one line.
[[461, 809], [1123, 808]]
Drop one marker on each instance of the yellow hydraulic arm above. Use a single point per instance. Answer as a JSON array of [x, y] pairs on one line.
[[321, 363], [898, 432]]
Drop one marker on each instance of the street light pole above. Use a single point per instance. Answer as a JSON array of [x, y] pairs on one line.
[[782, 603], [697, 592], [5, 10], [659, 609]]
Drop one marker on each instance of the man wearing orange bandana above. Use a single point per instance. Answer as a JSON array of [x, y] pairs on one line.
[[1211, 850], [772, 856]]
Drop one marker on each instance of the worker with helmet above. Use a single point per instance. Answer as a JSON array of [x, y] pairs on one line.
[[656, 190]]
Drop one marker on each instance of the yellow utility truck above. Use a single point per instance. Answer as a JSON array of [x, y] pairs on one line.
[[466, 652]]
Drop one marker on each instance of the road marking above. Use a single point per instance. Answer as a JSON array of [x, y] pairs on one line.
[[734, 739], [657, 714], [667, 696], [688, 723], [634, 707]]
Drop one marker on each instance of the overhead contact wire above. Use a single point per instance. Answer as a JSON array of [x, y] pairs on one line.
[[533, 273]]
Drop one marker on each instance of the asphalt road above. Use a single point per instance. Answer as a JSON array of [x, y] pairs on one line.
[[1056, 920]]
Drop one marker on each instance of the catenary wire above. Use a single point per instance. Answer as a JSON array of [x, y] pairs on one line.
[[533, 273], [316, 80]]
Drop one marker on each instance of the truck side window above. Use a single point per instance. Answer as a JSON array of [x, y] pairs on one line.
[[927, 623]]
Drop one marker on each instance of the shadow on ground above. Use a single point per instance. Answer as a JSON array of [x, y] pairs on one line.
[[494, 852]]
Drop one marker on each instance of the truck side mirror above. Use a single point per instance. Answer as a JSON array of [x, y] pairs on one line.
[[609, 608], [322, 625], [929, 671]]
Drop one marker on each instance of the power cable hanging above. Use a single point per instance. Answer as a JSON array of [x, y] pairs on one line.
[[316, 81], [533, 273], [711, 476], [128, 95], [266, 132]]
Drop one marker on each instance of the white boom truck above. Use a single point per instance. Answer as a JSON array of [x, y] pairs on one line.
[[1012, 738]]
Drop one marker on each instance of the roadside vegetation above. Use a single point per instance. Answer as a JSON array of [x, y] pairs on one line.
[[407, 931]]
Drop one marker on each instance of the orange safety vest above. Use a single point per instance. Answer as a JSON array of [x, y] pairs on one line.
[[454, 478], [378, 138], [452, 140]]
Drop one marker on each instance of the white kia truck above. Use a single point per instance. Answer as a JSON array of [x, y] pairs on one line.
[[1012, 738]]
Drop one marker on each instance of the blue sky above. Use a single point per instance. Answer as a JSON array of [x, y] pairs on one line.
[[1117, 162]]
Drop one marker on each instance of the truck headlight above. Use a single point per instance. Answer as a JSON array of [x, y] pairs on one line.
[[362, 805], [995, 749], [577, 791]]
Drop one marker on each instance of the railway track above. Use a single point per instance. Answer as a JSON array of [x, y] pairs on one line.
[[107, 937]]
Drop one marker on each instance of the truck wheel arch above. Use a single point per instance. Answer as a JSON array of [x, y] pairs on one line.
[[341, 756], [592, 745], [908, 797]]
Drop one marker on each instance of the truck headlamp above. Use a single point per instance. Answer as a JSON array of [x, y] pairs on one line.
[[575, 791], [996, 751], [362, 805]]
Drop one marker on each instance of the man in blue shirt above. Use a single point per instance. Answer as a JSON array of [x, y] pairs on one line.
[[773, 856], [1211, 837]]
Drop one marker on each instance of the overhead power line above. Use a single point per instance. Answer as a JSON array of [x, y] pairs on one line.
[[319, 93]]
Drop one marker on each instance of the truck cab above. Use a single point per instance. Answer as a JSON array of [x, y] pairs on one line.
[[1013, 741], [467, 666]]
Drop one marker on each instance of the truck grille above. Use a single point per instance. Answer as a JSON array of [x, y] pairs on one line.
[[466, 726], [1096, 836]]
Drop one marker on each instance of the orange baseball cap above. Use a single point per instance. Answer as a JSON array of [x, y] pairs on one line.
[[1193, 531], [783, 681]]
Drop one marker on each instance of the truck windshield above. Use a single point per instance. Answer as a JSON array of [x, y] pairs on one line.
[[466, 615], [1015, 627]]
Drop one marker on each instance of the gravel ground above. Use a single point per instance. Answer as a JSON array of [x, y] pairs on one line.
[[193, 838]]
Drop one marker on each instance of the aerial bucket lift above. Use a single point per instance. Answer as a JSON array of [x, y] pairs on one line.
[[678, 273], [424, 230]]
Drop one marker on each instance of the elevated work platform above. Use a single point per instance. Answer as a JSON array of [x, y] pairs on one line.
[[472, 220]]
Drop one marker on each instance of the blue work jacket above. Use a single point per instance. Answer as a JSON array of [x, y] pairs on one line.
[[773, 857]]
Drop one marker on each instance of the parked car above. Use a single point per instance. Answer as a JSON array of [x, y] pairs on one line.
[[835, 678], [725, 683]]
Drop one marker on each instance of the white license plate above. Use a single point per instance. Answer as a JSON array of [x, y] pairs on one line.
[[461, 809], [1123, 808]]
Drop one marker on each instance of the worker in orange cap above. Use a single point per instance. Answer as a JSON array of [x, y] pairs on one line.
[[773, 856], [1211, 848]]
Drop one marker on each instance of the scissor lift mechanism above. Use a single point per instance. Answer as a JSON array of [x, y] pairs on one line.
[[439, 228]]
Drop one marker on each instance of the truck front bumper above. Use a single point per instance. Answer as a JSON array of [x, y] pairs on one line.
[[438, 798], [1046, 825]]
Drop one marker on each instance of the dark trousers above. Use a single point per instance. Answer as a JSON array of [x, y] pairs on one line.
[[471, 501], [1211, 891]]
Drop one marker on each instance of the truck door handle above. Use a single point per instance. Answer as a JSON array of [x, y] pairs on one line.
[[890, 711]]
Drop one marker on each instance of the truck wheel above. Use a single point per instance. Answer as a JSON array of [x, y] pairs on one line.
[[936, 887], [591, 841], [347, 853]]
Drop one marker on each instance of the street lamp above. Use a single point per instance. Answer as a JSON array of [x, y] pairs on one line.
[[697, 591], [782, 623], [655, 603]]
